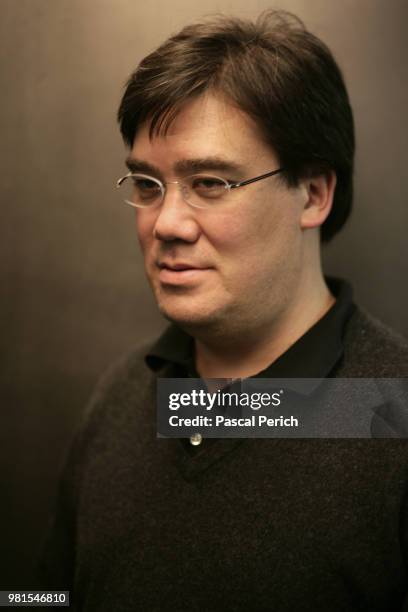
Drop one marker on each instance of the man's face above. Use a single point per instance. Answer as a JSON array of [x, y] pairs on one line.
[[232, 267]]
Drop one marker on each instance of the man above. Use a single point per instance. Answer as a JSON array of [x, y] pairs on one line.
[[240, 162]]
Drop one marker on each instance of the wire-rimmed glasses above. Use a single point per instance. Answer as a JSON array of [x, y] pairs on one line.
[[198, 190]]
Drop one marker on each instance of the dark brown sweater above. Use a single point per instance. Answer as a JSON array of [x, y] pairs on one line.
[[239, 525]]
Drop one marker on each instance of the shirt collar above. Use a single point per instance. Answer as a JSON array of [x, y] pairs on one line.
[[314, 355]]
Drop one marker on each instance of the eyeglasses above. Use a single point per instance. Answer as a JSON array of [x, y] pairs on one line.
[[198, 190]]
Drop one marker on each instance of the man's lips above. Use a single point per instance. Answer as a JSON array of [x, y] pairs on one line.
[[181, 273], [180, 266]]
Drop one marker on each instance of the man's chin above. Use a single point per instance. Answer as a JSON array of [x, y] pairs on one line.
[[191, 318]]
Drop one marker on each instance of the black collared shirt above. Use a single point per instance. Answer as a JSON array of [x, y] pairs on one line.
[[314, 355]]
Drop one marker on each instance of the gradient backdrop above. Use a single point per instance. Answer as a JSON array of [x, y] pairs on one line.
[[74, 296]]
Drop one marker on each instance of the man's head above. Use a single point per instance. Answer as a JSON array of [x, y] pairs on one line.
[[277, 72], [256, 97]]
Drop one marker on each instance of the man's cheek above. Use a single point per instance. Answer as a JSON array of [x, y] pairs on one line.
[[145, 222]]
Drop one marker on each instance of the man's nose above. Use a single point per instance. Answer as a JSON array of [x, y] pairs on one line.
[[176, 219]]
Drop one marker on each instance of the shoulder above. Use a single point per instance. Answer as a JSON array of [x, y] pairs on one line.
[[123, 392], [129, 370], [372, 349]]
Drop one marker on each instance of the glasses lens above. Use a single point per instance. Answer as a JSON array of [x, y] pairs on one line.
[[205, 190], [141, 190]]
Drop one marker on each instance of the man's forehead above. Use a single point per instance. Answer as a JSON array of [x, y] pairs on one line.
[[208, 111], [205, 116], [208, 133]]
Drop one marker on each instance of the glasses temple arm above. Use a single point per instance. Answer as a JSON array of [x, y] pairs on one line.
[[257, 178]]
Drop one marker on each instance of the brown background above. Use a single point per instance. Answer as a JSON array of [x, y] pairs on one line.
[[73, 290]]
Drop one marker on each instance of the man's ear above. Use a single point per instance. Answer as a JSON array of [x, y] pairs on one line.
[[320, 194]]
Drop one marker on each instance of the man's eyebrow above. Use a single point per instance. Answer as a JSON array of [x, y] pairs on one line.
[[184, 166], [139, 165], [207, 163]]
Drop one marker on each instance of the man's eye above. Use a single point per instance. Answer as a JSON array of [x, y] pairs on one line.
[[207, 186], [145, 184], [145, 188]]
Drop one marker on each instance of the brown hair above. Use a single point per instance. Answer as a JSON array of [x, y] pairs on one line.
[[277, 72]]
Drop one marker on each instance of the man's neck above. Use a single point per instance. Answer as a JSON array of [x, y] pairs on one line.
[[249, 353]]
